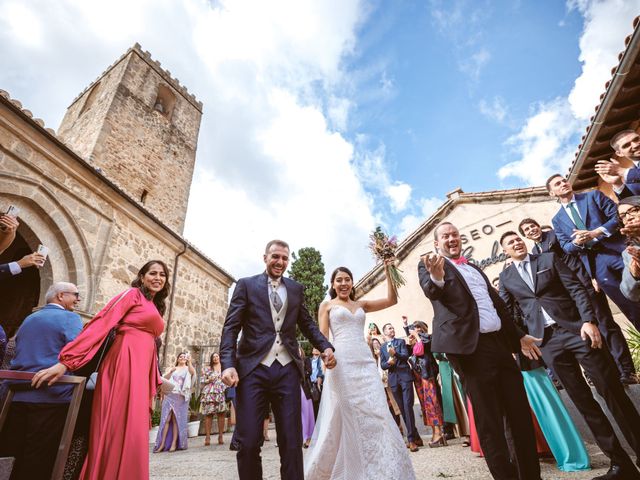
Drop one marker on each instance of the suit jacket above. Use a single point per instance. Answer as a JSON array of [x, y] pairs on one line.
[[456, 322], [5, 272], [556, 289], [250, 311], [400, 372], [596, 210], [550, 243], [632, 185], [629, 286]]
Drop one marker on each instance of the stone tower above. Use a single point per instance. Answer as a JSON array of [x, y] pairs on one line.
[[140, 127]]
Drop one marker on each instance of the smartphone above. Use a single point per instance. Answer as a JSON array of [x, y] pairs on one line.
[[44, 251], [12, 211]]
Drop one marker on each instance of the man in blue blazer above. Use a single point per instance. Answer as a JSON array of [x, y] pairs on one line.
[[393, 357], [625, 180], [587, 225], [36, 417], [265, 364]]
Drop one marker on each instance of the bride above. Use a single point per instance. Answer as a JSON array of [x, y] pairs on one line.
[[355, 436]]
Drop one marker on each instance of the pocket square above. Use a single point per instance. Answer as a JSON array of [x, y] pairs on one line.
[[542, 271]]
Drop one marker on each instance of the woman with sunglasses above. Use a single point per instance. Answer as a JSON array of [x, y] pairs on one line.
[[629, 213]]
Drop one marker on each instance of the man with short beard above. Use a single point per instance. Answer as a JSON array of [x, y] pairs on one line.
[[474, 327]]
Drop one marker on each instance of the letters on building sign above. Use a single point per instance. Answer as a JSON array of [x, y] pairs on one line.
[[497, 255]]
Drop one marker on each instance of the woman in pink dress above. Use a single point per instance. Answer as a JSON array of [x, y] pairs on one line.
[[127, 378]]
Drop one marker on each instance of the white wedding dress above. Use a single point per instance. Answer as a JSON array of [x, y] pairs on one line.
[[355, 436]]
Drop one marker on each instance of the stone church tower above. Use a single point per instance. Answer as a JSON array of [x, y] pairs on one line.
[[139, 126]]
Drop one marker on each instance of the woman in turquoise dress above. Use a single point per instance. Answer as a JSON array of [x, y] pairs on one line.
[[557, 426]]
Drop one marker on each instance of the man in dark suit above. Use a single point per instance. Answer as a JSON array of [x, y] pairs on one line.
[[15, 268], [557, 309], [473, 326], [624, 180], [587, 225], [545, 242], [393, 357], [266, 365]]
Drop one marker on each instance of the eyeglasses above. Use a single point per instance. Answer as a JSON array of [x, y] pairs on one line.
[[631, 211], [77, 294]]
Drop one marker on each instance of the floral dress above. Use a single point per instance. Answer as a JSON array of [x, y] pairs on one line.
[[212, 398]]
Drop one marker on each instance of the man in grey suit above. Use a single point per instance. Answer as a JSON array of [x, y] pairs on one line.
[[558, 311]]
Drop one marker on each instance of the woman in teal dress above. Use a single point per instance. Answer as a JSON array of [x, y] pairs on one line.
[[557, 426]]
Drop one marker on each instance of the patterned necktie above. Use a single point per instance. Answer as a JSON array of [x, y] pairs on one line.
[[460, 260], [275, 298], [525, 274]]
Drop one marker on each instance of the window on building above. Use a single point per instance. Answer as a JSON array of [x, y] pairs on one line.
[[91, 98], [165, 101]]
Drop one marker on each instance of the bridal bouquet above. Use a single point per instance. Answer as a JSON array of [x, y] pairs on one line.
[[384, 248]]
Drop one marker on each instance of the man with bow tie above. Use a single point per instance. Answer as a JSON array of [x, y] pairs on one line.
[[474, 327], [393, 357], [558, 311]]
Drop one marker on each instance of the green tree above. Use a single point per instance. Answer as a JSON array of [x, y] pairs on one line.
[[308, 269]]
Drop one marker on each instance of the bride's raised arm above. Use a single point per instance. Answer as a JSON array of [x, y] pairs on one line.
[[323, 318], [382, 303]]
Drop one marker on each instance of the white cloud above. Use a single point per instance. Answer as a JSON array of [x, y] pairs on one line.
[[495, 109], [427, 206], [272, 161], [474, 64], [549, 138]]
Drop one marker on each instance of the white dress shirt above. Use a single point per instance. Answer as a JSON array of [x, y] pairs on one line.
[[526, 266], [489, 319], [278, 351]]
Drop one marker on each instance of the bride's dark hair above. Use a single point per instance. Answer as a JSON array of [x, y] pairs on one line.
[[332, 291]]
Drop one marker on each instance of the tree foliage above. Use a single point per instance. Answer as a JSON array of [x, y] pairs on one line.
[[308, 269]]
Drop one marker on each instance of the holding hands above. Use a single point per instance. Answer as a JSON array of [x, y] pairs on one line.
[[328, 358]]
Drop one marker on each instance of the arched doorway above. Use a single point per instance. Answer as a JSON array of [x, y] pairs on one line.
[[19, 294]]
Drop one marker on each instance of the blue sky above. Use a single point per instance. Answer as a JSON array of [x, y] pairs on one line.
[[325, 118]]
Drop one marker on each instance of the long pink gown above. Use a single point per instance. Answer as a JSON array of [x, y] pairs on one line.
[[127, 381]]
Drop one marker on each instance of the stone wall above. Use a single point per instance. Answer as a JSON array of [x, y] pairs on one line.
[[98, 236], [138, 147]]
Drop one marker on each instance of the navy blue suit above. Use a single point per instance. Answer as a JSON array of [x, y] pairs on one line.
[[400, 381], [610, 330], [261, 386], [632, 185], [603, 260]]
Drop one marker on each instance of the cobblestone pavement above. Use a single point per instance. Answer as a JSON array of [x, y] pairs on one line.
[[454, 462]]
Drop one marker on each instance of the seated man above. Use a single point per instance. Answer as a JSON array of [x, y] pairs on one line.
[[36, 418]]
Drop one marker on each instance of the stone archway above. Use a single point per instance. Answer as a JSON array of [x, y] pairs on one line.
[[45, 220]]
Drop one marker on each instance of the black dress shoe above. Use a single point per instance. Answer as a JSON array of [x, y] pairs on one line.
[[616, 472], [234, 446]]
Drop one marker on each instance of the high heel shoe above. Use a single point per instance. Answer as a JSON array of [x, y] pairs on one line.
[[441, 442]]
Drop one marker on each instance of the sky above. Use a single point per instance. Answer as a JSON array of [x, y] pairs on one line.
[[323, 119]]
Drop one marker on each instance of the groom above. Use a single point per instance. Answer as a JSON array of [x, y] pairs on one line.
[[266, 365]]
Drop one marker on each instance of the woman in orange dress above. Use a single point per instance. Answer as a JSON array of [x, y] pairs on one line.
[[127, 378]]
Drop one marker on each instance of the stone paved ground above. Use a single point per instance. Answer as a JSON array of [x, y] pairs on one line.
[[454, 462]]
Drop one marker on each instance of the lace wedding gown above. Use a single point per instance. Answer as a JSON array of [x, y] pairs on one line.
[[355, 436]]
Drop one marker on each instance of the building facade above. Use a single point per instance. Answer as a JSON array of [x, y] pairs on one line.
[[108, 193]]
